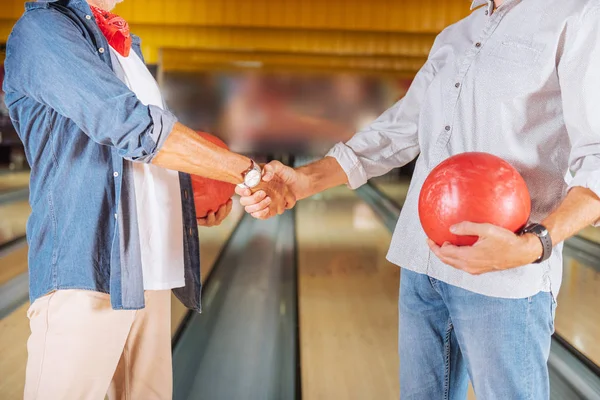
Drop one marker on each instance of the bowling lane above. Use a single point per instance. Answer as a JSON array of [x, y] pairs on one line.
[[14, 329], [13, 181], [13, 218], [578, 314], [13, 264], [591, 234], [395, 190], [211, 241], [348, 296]]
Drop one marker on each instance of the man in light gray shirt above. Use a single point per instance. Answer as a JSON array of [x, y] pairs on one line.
[[519, 79]]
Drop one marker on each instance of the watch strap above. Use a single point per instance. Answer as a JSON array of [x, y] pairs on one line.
[[544, 236]]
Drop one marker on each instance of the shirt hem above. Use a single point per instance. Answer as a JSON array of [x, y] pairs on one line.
[[165, 285]]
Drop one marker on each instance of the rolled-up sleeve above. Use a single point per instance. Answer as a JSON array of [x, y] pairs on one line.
[[391, 141], [579, 74], [49, 61]]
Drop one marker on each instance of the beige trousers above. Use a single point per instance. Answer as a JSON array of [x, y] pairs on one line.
[[80, 348]]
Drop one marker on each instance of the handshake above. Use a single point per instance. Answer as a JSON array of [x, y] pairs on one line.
[[281, 187], [279, 190]]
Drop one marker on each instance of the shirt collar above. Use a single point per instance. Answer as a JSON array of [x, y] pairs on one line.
[[477, 3]]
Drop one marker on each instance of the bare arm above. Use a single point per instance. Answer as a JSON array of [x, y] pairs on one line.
[[319, 176], [580, 209], [186, 151]]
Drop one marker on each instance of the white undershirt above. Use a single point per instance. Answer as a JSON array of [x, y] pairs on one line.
[[157, 194]]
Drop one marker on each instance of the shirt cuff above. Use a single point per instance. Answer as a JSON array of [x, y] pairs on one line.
[[163, 123], [589, 181], [348, 160]]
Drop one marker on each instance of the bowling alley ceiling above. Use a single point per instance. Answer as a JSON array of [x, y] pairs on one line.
[[391, 36]]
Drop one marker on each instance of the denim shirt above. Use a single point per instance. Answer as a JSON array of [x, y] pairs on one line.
[[79, 123]]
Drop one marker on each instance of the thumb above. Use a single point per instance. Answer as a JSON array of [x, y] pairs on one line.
[[271, 169], [470, 229]]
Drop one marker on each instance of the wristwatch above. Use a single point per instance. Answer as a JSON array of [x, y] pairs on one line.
[[542, 233], [252, 176]]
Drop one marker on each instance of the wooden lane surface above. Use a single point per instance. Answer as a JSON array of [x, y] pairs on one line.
[[348, 296], [13, 219], [14, 329], [13, 180], [592, 234], [13, 264], [577, 313], [211, 242]]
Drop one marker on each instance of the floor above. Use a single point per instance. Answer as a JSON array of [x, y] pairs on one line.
[[348, 298]]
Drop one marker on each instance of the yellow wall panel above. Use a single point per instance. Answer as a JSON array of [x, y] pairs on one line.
[[336, 27], [190, 61], [271, 40], [422, 16]]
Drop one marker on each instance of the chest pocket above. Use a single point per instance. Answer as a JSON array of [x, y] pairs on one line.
[[517, 51], [511, 68]]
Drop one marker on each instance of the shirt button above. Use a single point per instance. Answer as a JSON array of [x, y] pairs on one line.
[[457, 85], [101, 50], [115, 174], [486, 12], [447, 127], [116, 216], [478, 44], [88, 17]]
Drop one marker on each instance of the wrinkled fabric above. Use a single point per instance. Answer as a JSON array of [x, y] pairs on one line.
[[522, 83], [79, 123]]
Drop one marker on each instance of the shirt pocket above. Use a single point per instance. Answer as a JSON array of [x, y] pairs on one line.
[[517, 51]]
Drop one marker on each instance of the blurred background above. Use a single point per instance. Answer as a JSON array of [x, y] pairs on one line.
[[303, 305]]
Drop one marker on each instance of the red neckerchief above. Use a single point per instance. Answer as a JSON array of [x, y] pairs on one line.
[[115, 30]]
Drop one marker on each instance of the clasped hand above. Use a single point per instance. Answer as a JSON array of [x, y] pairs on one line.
[[277, 192]]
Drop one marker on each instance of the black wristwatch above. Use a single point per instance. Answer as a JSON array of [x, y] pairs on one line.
[[542, 233]]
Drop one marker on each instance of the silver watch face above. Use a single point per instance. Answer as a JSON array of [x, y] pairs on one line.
[[252, 178]]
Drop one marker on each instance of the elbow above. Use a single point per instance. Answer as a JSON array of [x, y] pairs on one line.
[[142, 142]]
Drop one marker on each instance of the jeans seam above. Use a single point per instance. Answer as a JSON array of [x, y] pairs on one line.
[[528, 366], [447, 360]]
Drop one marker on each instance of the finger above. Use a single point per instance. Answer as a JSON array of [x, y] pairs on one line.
[[221, 214], [281, 208], [432, 245], [290, 200], [451, 251], [290, 203], [229, 206], [201, 221], [242, 191], [210, 219], [263, 214], [471, 229], [253, 199], [270, 170], [259, 206]]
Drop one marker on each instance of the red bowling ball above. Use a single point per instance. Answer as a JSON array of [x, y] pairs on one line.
[[209, 194], [473, 187]]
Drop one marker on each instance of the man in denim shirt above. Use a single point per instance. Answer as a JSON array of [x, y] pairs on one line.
[[95, 129]]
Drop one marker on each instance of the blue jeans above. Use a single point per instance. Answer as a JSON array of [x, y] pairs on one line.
[[449, 335]]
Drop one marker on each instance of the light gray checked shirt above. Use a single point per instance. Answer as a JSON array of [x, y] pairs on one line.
[[521, 82]]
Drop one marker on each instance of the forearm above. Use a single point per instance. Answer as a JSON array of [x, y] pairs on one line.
[[186, 151], [580, 209], [321, 175]]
